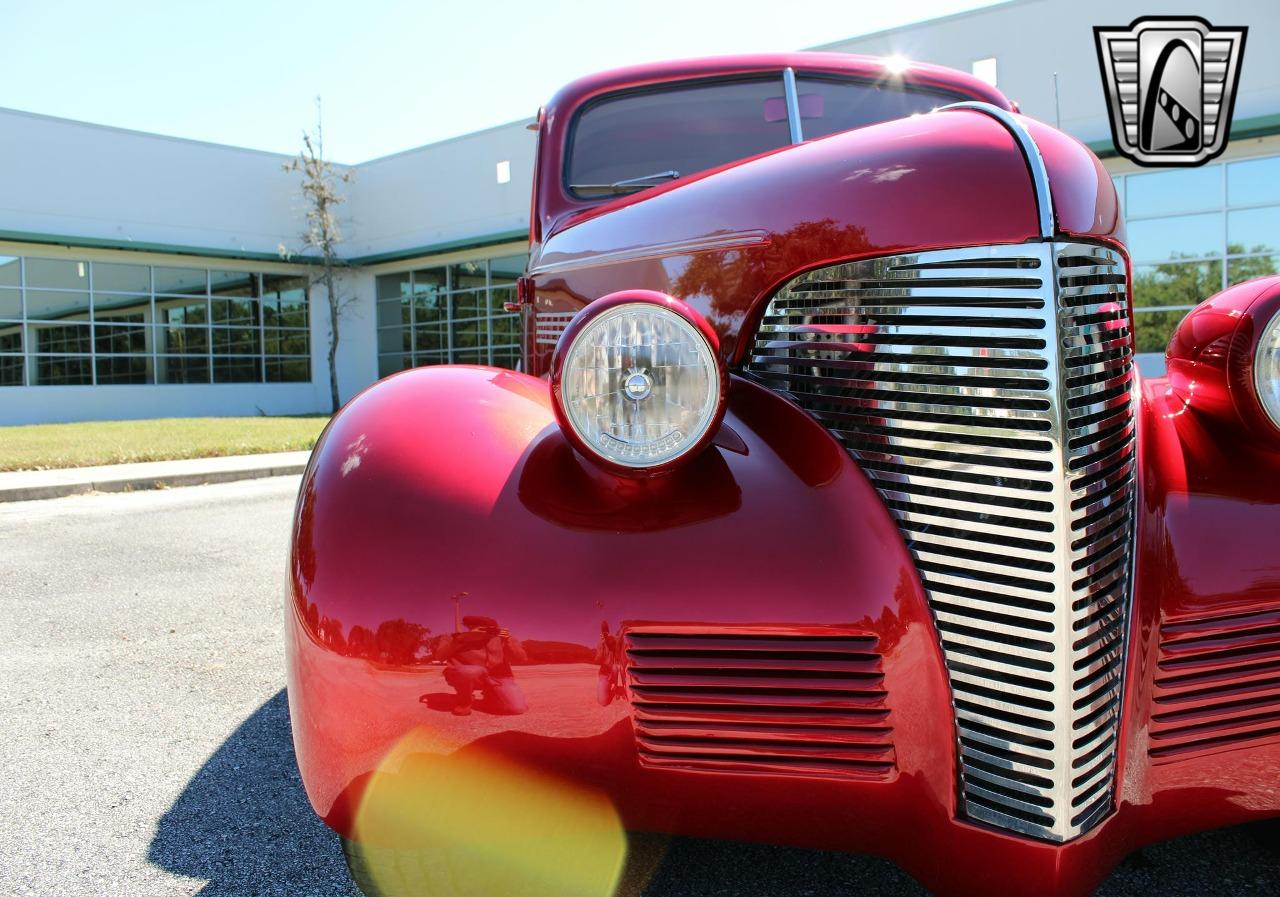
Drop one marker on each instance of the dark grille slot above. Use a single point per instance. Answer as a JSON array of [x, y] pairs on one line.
[[1011, 787], [1007, 814], [1003, 599], [967, 263], [1217, 683], [872, 286], [947, 474], [939, 531], [1005, 678], [1125, 462], [1091, 399], [985, 557], [1005, 739], [999, 501], [870, 370], [1107, 411], [871, 390], [1106, 356], [934, 419], [839, 348], [1007, 453], [926, 341], [760, 702], [898, 505], [991, 657]]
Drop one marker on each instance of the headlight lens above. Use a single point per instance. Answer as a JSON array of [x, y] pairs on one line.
[[640, 385], [1266, 370]]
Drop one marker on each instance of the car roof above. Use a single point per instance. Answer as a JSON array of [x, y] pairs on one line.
[[848, 64]]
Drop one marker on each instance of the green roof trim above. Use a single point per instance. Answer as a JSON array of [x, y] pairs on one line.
[[439, 248], [1245, 128], [14, 236], [18, 236]]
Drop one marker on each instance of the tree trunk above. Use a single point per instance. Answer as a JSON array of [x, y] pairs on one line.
[[334, 398]]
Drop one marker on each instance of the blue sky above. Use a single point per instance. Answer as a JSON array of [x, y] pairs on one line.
[[392, 75]]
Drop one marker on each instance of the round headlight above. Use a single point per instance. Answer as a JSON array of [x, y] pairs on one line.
[[638, 380], [1266, 369]]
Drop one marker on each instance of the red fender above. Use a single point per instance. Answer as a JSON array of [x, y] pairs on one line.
[[455, 479], [450, 491]]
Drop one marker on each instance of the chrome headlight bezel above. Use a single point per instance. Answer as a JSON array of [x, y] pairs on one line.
[[705, 344], [1266, 370]]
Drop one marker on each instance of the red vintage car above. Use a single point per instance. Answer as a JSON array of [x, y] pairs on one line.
[[829, 510]]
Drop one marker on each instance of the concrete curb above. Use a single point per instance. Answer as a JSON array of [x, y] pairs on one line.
[[37, 485]]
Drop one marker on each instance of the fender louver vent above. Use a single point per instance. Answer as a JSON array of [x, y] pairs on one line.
[[986, 393], [765, 702], [548, 325], [1217, 683]]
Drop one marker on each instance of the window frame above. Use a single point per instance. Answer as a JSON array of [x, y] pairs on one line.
[[1222, 256], [103, 333]]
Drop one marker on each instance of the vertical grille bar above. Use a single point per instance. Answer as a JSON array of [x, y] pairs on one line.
[[986, 393]]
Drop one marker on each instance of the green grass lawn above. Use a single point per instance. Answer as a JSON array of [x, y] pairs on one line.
[[45, 446]]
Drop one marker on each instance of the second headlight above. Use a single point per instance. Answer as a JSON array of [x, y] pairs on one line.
[[1266, 369], [638, 380]]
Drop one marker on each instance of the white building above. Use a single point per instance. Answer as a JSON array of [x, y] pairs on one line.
[[141, 276]]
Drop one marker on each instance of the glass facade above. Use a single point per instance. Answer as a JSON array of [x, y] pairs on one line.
[[1195, 231], [449, 314], [72, 322]]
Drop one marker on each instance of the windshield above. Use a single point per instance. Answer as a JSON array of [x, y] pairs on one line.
[[635, 140]]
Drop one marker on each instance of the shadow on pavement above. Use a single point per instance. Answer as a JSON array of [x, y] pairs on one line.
[[243, 822], [693, 868], [1243, 859]]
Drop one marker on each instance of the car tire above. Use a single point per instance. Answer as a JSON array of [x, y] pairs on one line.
[[422, 872]]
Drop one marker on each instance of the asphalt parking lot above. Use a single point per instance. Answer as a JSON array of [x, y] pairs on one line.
[[146, 746]]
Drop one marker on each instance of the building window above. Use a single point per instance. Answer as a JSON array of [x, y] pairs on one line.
[[985, 70], [1193, 232], [76, 322], [449, 314]]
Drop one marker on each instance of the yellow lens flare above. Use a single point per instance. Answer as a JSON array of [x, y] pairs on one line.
[[439, 820]]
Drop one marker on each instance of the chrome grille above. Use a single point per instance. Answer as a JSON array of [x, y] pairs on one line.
[[750, 700], [987, 394]]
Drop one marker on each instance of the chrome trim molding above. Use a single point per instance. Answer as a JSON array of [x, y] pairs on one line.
[[1030, 152], [793, 105], [720, 241], [987, 394]]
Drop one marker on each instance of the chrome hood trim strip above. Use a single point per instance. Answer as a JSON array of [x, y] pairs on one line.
[[1030, 152]]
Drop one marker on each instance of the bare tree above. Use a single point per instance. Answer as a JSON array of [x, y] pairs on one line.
[[322, 190]]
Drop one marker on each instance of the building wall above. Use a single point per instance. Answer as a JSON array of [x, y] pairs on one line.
[[1187, 243], [70, 190], [73, 180], [443, 193], [1032, 39], [129, 197]]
